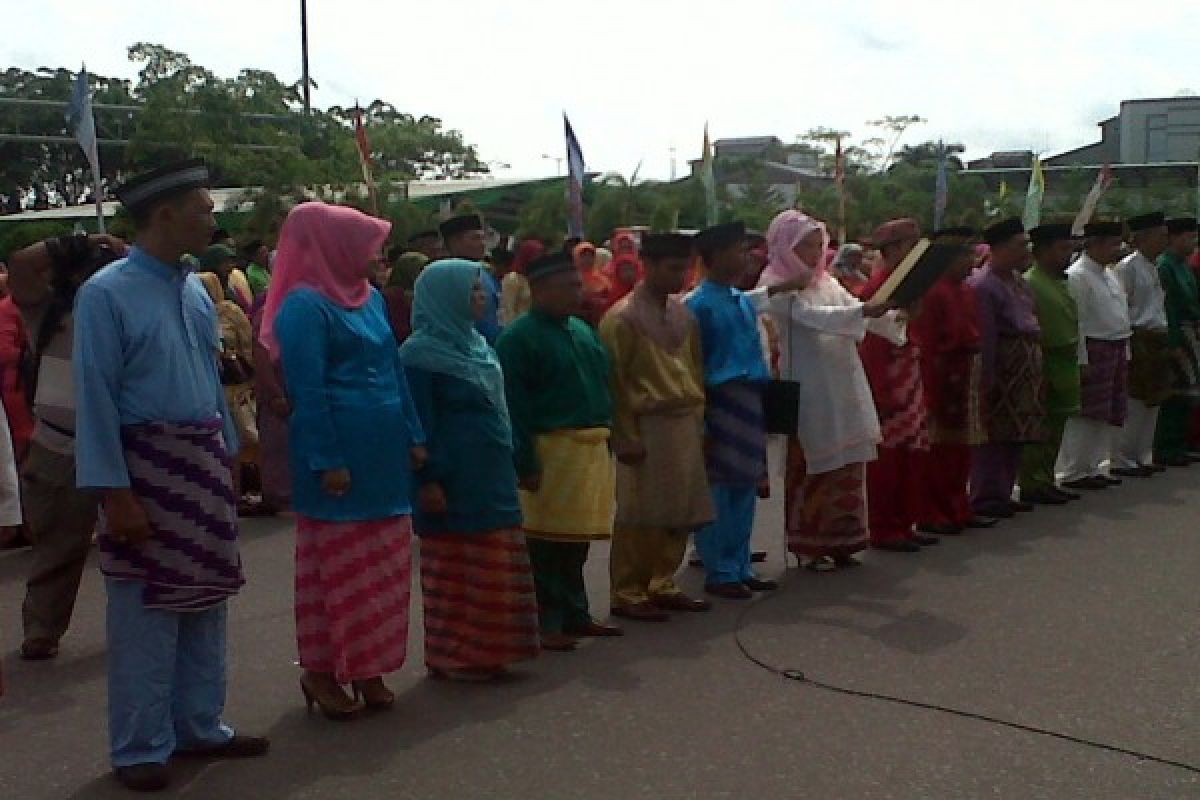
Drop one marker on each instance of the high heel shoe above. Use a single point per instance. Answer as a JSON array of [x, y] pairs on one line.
[[373, 694], [338, 708]]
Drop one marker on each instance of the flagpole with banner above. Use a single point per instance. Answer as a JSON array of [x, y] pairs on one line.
[[364, 158], [1103, 181], [712, 211], [1033, 197], [839, 178], [941, 190], [83, 124], [575, 176]]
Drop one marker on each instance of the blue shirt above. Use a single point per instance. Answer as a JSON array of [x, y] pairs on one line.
[[350, 407], [489, 327], [146, 350], [728, 335]]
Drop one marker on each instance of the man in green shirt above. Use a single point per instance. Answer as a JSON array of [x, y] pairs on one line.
[[258, 273], [1059, 320], [556, 373], [1183, 332]]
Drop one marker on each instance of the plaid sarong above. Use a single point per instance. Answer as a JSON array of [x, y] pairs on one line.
[[1150, 367], [1103, 387]]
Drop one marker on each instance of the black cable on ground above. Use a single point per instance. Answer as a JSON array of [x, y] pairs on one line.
[[800, 677]]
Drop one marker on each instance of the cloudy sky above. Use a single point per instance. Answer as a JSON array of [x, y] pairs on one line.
[[640, 77]]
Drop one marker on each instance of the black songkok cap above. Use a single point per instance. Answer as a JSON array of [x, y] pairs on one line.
[[1050, 233], [143, 192], [718, 237], [1003, 231], [548, 265], [1181, 225], [1145, 222], [461, 224], [1110, 227], [666, 245]]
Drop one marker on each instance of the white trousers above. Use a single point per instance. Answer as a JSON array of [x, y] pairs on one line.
[[1087, 444], [1136, 441]]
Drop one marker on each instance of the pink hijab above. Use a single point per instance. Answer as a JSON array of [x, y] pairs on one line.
[[326, 248], [784, 233]]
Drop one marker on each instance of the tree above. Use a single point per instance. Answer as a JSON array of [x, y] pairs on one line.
[[894, 128]]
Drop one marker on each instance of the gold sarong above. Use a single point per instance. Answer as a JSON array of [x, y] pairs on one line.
[[576, 500]]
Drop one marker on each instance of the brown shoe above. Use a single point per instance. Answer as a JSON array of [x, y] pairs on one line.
[[642, 612], [680, 602], [558, 642], [730, 591], [39, 649], [238, 746], [143, 777], [596, 630]]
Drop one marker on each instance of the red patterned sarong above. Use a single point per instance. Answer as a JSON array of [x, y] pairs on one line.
[[826, 513]]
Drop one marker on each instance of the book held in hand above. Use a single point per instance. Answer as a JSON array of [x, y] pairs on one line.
[[917, 273]]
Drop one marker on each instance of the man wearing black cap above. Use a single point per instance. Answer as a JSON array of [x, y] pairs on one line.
[[1150, 355], [1183, 330], [153, 438], [427, 243], [465, 238], [1089, 439], [1058, 319], [1012, 370], [658, 434], [556, 380]]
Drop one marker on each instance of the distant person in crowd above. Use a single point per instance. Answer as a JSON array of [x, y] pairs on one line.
[[274, 410], [1104, 326], [145, 359], [14, 347], [428, 243], [515, 297], [10, 493], [756, 261], [398, 293], [596, 285], [847, 267], [658, 435], [60, 517], [625, 271], [329, 329], [1172, 442], [465, 238], [258, 267], [569, 245], [480, 604], [221, 260], [556, 381]]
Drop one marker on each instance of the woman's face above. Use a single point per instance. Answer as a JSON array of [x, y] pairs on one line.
[[479, 301], [809, 249], [587, 259]]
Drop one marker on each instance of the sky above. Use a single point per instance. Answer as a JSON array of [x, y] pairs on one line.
[[639, 78]]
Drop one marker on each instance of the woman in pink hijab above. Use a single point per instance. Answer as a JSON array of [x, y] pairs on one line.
[[354, 441], [820, 325]]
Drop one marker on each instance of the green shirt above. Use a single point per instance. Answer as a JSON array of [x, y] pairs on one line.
[[1058, 317], [1183, 299], [258, 278], [556, 377]]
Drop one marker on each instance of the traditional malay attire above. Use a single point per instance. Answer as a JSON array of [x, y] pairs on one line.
[[1179, 282], [476, 582], [515, 298], [1011, 382], [596, 285], [489, 326], [658, 403], [1150, 355], [735, 376], [151, 418], [895, 483], [398, 291], [1104, 332], [10, 490], [948, 333], [351, 410], [819, 330], [274, 465], [556, 382], [1058, 320]]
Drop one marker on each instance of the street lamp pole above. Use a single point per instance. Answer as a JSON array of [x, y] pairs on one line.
[[304, 56]]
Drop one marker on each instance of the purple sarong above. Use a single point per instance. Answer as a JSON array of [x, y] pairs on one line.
[[736, 446], [180, 473], [1103, 386]]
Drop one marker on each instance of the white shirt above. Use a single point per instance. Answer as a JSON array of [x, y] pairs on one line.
[[1144, 291], [1103, 309]]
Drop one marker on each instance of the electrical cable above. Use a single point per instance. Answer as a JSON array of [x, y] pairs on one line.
[[801, 677]]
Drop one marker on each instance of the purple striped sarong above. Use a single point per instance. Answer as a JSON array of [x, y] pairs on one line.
[[181, 474], [736, 450], [1104, 383]]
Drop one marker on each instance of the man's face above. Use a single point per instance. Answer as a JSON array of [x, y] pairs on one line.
[[668, 275], [559, 295], [896, 252], [1011, 254], [730, 263], [1183, 244], [471, 245], [1056, 256], [1153, 242], [188, 220], [1105, 250]]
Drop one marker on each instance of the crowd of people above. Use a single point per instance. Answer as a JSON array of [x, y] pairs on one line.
[[510, 408]]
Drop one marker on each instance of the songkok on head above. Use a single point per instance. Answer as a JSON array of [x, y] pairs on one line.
[[896, 230], [1002, 231], [143, 192], [1050, 233], [719, 237], [461, 224], [666, 245], [1181, 225], [1144, 222], [548, 265], [1109, 227]]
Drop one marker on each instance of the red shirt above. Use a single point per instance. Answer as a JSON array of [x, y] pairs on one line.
[[14, 344]]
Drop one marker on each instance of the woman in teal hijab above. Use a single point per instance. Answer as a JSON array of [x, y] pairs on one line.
[[480, 607]]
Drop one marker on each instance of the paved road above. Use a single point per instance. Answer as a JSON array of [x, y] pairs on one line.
[[1083, 621]]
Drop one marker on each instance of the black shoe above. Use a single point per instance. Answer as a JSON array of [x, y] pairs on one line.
[[1043, 497], [238, 746], [925, 541], [982, 522], [1110, 481], [1066, 495], [1020, 507], [1129, 472], [760, 585], [940, 530], [998, 512], [1087, 483], [143, 777], [899, 546]]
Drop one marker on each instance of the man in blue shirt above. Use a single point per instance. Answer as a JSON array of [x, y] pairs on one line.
[[465, 238], [153, 438]]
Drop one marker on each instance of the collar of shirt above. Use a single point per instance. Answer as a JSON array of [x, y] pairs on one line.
[[148, 263]]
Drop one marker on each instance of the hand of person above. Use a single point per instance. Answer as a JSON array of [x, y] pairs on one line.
[[873, 309], [630, 454], [431, 499], [336, 482], [280, 407], [764, 488], [127, 520], [531, 483], [418, 456]]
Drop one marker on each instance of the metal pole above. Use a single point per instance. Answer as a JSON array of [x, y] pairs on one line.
[[304, 55]]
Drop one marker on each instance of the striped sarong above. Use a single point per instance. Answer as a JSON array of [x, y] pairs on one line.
[[479, 599], [180, 472], [576, 499], [1103, 385], [736, 449], [1150, 376], [1016, 411]]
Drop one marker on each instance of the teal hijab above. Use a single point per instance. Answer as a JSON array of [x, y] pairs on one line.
[[444, 339]]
